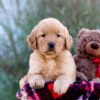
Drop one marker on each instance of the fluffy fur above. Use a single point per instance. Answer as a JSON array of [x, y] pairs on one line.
[[88, 47], [50, 65]]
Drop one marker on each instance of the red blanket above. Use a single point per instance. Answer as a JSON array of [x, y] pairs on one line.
[[87, 89]]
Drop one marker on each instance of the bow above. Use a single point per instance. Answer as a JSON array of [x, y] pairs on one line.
[[97, 61]]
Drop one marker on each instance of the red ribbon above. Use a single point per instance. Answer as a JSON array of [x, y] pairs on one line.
[[97, 61]]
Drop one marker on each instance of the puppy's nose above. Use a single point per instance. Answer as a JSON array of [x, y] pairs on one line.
[[94, 46], [51, 45]]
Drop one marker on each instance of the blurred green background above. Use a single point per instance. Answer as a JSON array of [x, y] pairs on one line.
[[18, 17]]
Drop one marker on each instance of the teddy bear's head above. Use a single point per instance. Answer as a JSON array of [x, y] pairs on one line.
[[88, 43]]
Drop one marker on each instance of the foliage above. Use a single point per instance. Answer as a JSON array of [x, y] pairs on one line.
[[18, 17]]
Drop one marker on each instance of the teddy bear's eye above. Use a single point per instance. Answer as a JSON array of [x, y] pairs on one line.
[[58, 35], [43, 35]]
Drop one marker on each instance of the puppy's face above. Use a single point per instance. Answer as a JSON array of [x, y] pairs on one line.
[[51, 44], [50, 37]]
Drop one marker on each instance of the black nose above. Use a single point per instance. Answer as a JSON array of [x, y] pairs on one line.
[[51, 45], [94, 46]]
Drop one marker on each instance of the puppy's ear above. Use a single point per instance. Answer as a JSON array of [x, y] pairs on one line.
[[81, 32], [69, 40], [31, 38]]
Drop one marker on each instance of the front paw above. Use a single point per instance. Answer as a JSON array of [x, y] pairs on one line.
[[21, 83], [37, 83], [61, 86], [96, 80]]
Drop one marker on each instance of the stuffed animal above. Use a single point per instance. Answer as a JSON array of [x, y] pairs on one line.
[[87, 58]]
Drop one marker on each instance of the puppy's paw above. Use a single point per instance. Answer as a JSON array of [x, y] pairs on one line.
[[96, 80], [21, 83], [61, 86], [37, 83]]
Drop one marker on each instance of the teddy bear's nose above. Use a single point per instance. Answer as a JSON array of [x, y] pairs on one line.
[[94, 46]]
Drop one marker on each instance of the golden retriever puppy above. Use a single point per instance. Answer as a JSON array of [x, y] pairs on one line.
[[51, 59]]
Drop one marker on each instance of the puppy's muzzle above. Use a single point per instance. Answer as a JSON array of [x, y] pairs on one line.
[[51, 45]]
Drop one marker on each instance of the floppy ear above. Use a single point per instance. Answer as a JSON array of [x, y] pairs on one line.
[[31, 38], [68, 40], [82, 31]]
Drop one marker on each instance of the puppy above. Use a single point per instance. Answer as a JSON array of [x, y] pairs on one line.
[[51, 59]]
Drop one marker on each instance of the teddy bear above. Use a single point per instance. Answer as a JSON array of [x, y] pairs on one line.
[[87, 57]]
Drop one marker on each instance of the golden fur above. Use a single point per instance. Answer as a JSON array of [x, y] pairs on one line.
[[50, 65]]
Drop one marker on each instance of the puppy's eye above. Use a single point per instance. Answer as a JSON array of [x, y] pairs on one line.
[[43, 35], [58, 35]]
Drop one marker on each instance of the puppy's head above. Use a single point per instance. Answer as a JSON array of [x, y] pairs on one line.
[[50, 37]]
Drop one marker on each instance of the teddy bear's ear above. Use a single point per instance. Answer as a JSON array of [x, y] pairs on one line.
[[82, 31], [31, 38]]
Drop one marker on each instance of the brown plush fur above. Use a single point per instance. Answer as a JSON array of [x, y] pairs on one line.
[[85, 66]]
